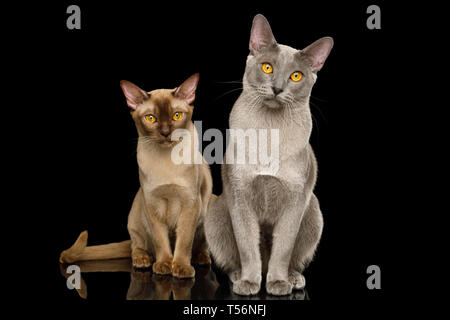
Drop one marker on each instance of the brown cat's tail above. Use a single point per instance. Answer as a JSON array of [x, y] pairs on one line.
[[80, 251]]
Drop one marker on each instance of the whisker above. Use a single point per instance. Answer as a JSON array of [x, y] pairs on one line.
[[318, 109], [318, 99], [227, 82], [228, 92]]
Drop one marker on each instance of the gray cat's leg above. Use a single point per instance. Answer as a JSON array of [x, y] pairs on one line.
[[220, 237], [200, 254], [247, 234], [306, 243], [285, 233]]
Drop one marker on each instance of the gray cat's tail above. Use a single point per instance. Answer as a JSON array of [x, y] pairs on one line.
[[79, 251]]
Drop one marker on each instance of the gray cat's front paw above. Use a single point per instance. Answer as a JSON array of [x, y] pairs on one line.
[[279, 287], [297, 280], [246, 287], [234, 275]]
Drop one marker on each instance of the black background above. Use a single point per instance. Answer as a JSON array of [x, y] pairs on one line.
[[87, 171]]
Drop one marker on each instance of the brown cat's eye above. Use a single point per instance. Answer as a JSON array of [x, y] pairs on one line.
[[177, 116], [150, 118]]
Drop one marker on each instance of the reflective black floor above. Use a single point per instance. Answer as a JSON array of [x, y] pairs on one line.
[[209, 283]]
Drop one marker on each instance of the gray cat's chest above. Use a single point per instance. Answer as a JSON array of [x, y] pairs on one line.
[[283, 141], [290, 173], [270, 187], [292, 125], [283, 174], [267, 193]]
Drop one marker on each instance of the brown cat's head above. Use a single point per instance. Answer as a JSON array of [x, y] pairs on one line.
[[159, 112]]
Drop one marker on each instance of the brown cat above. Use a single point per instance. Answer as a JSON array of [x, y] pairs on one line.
[[168, 209]]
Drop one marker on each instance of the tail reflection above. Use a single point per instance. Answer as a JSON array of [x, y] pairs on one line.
[[115, 265], [144, 285]]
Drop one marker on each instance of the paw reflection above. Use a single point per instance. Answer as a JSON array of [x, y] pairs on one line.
[[225, 292], [146, 285]]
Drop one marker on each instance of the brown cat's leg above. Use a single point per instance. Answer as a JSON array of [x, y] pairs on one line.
[[140, 253], [161, 244], [140, 257], [186, 227], [200, 253]]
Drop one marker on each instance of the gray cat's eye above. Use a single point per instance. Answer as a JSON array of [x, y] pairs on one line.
[[267, 67], [296, 76]]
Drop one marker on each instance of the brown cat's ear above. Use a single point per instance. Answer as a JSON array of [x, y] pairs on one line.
[[261, 35], [318, 52], [135, 95], [187, 89]]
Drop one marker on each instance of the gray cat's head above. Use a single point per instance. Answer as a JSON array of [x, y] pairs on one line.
[[280, 75]]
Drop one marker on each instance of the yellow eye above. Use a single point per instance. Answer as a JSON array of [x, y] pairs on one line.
[[296, 76], [267, 67], [177, 116], [150, 118]]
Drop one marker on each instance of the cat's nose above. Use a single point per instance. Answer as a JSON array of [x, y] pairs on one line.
[[277, 90], [165, 133]]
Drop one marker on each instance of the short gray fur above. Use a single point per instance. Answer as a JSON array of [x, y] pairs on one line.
[[271, 224]]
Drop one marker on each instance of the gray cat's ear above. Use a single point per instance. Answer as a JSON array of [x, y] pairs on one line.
[[134, 95], [187, 89], [261, 35], [318, 52]]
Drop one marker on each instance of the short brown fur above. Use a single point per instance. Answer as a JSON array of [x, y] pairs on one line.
[[165, 221]]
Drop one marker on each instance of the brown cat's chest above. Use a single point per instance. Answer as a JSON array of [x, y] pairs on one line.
[[166, 186], [157, 169], [167, 201]]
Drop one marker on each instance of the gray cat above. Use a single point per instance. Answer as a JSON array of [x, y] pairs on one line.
[[271, 224]]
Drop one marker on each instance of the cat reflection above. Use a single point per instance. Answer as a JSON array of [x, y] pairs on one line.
[[149, 286], [144, 285], [295, 295], [225, 292]]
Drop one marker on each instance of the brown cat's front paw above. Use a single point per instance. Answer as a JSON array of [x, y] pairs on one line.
[[279, 287], [201, 258], [141, 260], [182, 270], [162, 267]]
